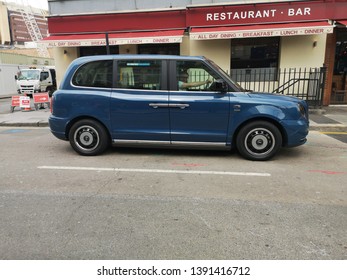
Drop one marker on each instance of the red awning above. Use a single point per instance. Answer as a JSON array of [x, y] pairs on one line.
[[343, 22], [264, 30], [99, 39]]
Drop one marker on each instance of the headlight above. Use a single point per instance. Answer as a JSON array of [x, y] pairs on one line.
[[302, 110]]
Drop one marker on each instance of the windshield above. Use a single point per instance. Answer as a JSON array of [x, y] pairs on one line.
[[31, 74], [226, 76]]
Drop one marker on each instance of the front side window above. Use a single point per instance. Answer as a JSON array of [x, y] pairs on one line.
[[194, 76], [139, 74], [44, 76], [94, 74]]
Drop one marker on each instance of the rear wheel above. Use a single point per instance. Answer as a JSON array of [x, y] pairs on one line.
[[259, 140], [88, 137]]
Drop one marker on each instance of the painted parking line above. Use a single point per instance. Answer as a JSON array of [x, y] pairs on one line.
[[172, 171], [337, 133], [13, 131]]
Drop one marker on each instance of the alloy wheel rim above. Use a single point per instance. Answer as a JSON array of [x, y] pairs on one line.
[[86, 138], [259, 141]]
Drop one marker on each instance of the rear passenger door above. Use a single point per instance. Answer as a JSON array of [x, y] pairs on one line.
[[139, 102]]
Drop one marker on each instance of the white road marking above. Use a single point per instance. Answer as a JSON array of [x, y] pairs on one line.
[[174, 171]]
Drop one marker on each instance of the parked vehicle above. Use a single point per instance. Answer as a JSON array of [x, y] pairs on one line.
[[32, 80], [140, 100]]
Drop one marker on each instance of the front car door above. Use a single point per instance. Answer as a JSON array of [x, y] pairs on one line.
[[139, 102], [199, 114]]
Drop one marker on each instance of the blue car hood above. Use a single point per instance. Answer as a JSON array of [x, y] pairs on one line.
[[273, 96]]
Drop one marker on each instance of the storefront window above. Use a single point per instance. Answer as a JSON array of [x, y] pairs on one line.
[[254, 59], [99, 50], [340, 66], [164, 49], [340, 58]]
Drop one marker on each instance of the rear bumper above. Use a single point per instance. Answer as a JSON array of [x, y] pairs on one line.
[[58, 127]]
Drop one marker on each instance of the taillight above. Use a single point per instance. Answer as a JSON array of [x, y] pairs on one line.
[[51, 104]]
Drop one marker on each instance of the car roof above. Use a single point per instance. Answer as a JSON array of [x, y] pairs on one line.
[[138, 56]]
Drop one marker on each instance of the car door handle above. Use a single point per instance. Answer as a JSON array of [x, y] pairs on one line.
[[237, 108], [158, 105], [181, 106]]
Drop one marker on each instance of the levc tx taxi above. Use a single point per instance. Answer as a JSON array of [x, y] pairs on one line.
[[170, 101]]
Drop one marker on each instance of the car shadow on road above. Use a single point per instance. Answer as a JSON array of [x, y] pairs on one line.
[[170, 152], [284, 153]]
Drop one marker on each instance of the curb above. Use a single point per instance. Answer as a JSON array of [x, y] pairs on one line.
[[317, 111], [32, 124]]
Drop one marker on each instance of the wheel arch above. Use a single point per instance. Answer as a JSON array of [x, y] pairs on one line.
[[264, 118], [73, 121]]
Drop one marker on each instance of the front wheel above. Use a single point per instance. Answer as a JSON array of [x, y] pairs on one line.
[[88, 137], [259, 140]]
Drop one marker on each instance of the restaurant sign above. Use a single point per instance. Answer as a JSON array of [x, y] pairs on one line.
[[257, 13], [76, 42], [269, 30]]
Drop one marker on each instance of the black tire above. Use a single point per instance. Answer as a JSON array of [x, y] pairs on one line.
[[259, 140], [88, 137]]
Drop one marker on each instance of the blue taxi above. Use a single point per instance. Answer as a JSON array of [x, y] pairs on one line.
[[170, 101]]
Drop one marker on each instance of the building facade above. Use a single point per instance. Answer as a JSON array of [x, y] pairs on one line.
[[13, 29], [240, 36], [14, 36]]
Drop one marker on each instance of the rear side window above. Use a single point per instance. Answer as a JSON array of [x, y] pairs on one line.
[[94, 74], [139, 74]]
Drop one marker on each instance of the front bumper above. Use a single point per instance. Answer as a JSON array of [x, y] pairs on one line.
[[296, 131]]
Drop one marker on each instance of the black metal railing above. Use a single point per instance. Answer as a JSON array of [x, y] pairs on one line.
[[305, 83]]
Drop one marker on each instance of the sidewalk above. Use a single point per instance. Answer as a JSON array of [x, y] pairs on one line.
[[332, 118], [31, 118], [329, 119]]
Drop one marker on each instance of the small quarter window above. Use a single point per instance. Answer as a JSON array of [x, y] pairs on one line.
[[94, 74]]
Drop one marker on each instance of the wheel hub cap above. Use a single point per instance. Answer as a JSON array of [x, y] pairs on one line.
[[259, 141], [86, 138]]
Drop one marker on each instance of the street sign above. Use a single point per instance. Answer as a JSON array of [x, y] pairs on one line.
[[24, 102], [41, 97], [15, 101]]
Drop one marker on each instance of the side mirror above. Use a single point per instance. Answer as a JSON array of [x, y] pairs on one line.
[[220, 85], [16, 77]]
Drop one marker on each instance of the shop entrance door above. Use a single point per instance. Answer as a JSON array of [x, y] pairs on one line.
[[339, 82]]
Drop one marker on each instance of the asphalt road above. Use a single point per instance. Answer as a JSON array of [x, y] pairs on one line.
[[170, 204]]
